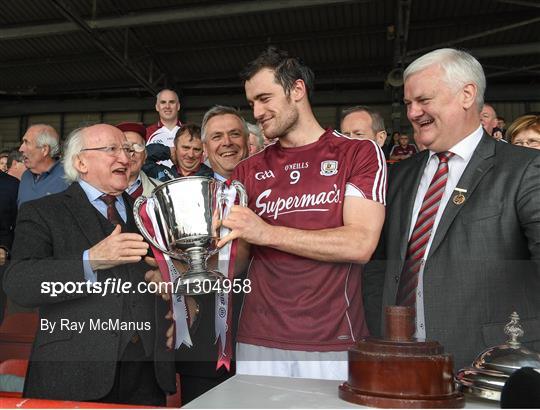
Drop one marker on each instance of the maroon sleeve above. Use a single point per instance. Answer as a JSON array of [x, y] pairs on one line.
[[368, 173], [150, 130]]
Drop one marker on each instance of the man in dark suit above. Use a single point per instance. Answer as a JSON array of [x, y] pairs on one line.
[[9, 186], [92, 345], [225, 135], [461, 240]]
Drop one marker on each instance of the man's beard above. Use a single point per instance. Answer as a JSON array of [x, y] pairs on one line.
[[285, 125]]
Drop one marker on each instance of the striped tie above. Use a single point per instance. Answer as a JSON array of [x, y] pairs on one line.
[[406, 295], [112, 213]]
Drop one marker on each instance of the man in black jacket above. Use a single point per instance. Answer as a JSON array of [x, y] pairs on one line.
[[91, 345], [9, 187], [225, 136]]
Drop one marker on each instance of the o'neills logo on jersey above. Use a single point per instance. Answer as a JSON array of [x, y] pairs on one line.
[[297, 165], [296, 203]]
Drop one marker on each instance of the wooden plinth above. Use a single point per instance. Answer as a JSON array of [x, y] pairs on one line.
[[400, 371], [454, 401]]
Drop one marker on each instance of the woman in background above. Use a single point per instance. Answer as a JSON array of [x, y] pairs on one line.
[[525, 131]]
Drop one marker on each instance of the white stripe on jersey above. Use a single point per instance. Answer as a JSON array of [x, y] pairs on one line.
[[378, 193], [379, 184], [353, 190], [348, 303]]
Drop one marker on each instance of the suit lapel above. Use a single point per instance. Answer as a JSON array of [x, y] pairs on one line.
[[84, 213], [409, 184], [481, 162]]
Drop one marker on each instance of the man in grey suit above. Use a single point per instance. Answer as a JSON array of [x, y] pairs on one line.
[[461, 240], [96, 341]]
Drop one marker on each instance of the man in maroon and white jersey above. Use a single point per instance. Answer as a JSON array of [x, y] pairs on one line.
[[316, 208], [164, 131], [403, 150]]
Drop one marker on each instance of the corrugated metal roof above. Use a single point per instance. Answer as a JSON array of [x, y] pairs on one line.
[[347, 44]]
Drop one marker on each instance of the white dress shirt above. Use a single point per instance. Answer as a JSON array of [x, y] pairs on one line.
[[463, 151]]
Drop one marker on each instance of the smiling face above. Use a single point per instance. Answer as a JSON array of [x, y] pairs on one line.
[[189, 151], [275, 111], [225, 143], [441, 115], [106, 172], [167, 106]]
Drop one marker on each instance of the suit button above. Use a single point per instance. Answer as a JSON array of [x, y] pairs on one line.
[[396, 278]]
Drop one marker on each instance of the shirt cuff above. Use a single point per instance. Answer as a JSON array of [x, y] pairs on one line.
[[89, 274]]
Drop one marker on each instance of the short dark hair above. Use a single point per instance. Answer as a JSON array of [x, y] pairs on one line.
[[193, 130], [286, 69], [14, 155]]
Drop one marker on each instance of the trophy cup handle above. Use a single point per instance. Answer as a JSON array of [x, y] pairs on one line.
[[136, 206], [242, 194]]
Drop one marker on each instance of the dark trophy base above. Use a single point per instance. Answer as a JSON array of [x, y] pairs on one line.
[[400, 371], [348, 393], [198, 283]]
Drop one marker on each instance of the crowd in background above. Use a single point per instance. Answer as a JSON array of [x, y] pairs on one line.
[[366, 122]]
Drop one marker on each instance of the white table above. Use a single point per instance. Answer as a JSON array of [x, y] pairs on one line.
[[264, 392]]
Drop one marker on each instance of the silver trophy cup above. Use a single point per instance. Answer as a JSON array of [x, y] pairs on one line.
[[189, 212]]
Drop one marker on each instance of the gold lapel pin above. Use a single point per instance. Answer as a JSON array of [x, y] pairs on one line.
[[459, 198]]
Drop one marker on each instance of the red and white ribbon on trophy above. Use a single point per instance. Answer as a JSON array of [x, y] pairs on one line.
[[226, 260], [169, 274]]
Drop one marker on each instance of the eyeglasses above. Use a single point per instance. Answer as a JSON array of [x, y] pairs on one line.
[[113, 150], [532, 143], [138, 148]]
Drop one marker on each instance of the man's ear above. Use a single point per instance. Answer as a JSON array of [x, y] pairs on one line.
[[298, 90], [80, 165], [204, 155], [380, 138], [46, 150], [468, 95]]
